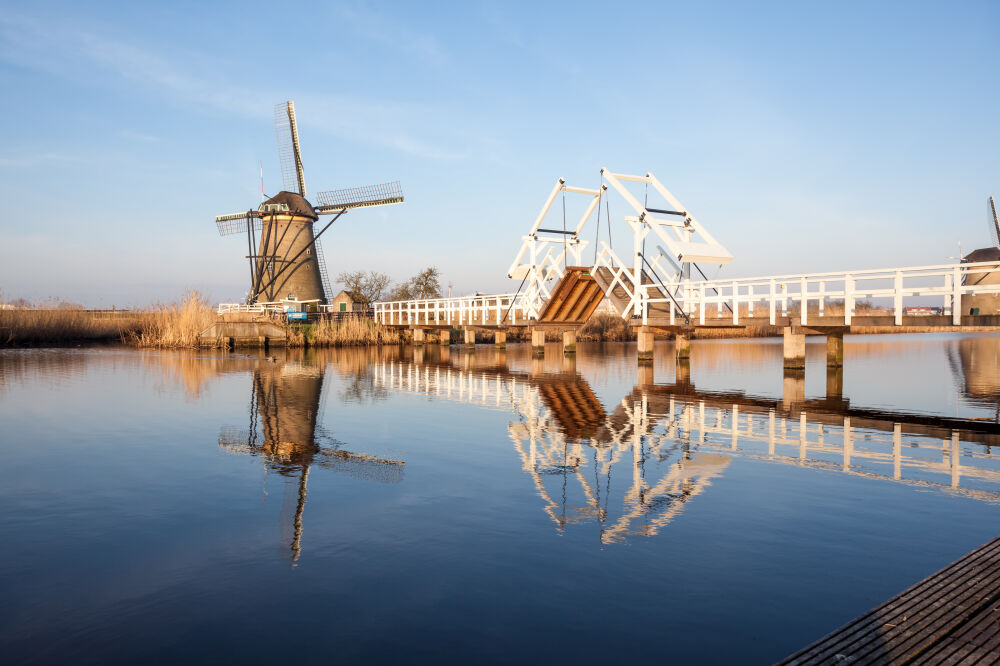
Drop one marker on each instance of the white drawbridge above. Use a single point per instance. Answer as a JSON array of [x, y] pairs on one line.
[[662, 282]]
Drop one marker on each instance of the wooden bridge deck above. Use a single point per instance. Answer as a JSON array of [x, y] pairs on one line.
[[950, 617]]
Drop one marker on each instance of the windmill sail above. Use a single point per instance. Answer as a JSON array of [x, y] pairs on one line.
[[289, 152], [384, 194], [238, 223], [995, 227]]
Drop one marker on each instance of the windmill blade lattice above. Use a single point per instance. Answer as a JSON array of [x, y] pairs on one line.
[[383, 194], [289, 152], [237, 223], [994, 223]]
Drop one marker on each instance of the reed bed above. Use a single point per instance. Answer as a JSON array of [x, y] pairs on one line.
[[43, 326], [174, 325], [348, 333], [605, 327]]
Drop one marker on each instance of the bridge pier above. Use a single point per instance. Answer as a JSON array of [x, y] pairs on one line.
[[644, 341], [682, 346], [794, 387], [682, 372], [835, 350], [645, 374], [834, 382], [470, 337], [569, 364], [538, 341], [419, 337], [444, 337], [500, 339], [794, 348], [569, 342]]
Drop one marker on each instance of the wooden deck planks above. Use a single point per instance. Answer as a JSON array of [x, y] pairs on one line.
[[573, 299], [952, 616]]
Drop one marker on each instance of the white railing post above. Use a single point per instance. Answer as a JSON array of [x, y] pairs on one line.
[[897, 298], [701, 303], [771, 304], [946, 306], [822, 298], [848, 299], [736, 303], [956, 299], [803, 301]]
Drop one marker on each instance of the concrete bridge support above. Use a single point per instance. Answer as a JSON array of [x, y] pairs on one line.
[[794, 349], [682, 346], [500, 339], [569, 342], [835, 350], [645, 344], [470, 337], [645, 374], [444, 337], [419, 337], [538, 341], [569, 364], [794, 388], [682, 372], [834, 382]]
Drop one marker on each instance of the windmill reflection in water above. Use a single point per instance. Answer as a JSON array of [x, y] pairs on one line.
[[285, 401], [674, 439]]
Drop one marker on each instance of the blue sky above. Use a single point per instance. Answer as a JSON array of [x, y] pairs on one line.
[[805, 136]]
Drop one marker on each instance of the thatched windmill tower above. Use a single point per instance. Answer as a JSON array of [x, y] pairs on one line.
[[985, 304], [285, 259]]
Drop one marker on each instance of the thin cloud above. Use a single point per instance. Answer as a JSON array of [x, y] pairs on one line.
[[381, 28], [59, 49], [44, 159]]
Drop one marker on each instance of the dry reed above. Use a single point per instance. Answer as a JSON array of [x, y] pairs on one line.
[[350, 332], [174, 325], [29, 326]]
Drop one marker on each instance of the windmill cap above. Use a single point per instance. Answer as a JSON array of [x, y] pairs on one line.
[[983, 254], [297, 204]]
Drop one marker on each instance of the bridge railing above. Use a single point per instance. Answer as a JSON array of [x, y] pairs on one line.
[[835, 294], [225, 308], [476, 310]]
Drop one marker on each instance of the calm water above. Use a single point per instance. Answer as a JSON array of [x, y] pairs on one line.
[[480, 506]]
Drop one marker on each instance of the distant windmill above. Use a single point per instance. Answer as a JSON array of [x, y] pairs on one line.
[[288, 261], [986, 304]]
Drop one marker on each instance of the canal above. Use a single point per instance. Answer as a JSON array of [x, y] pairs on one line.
[[474, 505]]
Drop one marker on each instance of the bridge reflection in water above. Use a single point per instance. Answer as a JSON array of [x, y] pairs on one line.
[[672, 439], [285, 401]]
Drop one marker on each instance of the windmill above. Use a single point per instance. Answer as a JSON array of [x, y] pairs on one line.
[[285, 259], [286, 400], [985, 303]]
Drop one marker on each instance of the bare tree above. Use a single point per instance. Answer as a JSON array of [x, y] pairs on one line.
[[425, 284], [368, 286]]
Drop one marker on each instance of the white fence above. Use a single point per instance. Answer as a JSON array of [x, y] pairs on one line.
[[740, 298], [835, 294], [478, 310]]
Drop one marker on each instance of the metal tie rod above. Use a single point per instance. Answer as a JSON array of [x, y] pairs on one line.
[[667, 212], [557, 231]]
